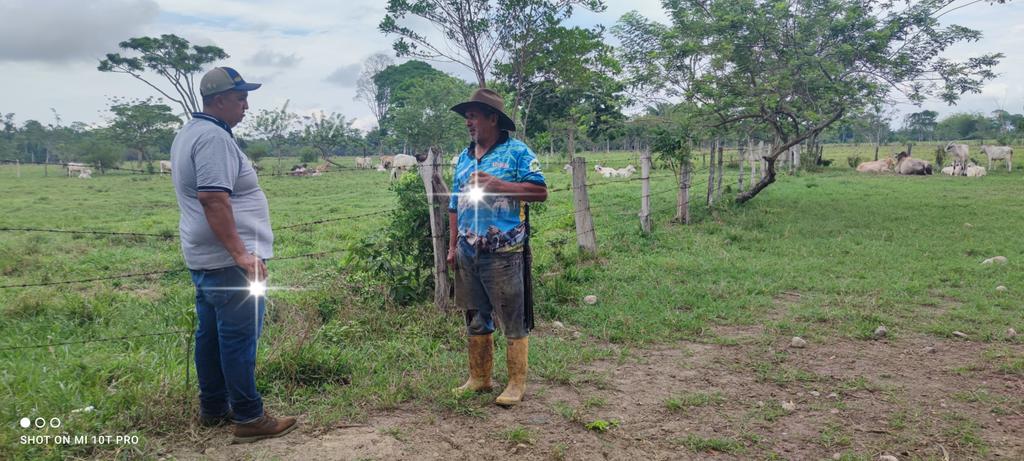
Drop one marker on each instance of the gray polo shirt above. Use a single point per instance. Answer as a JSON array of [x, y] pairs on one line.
[[205, 157]]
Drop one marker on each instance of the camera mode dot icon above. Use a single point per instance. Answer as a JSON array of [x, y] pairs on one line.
[[25, 423]]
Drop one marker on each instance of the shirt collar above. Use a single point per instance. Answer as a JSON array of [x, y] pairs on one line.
[[502, 139], [214, 120]]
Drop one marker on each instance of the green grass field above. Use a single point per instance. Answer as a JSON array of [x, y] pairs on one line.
[[860, 250]]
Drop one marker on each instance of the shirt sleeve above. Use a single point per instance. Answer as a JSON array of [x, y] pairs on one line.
[[528, 168], [216, 164], [453, 200]]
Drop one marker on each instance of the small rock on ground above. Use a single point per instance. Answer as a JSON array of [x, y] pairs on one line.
[[1011, 333], [960, 334], [995, 260], [798, 342], [881, 332], [888, 458], [557, 324], [1000, 288], [590, 299]]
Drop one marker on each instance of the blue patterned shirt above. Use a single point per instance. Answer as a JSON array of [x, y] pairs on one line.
[[494, 223]]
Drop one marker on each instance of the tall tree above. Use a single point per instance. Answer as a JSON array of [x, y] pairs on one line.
[[272, 126], [798, 66], [142, 125], [330, 134], [524, 27], [466, 27], [367, 89], [922, 124], [424, 118], [170, 57]]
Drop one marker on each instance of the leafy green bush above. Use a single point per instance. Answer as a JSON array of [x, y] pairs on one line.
[[402, 257], [853, 160]]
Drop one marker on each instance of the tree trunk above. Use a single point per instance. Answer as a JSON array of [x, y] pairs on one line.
[[743, 158]]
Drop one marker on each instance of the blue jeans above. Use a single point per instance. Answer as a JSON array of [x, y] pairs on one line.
[[230, 322], [489, 286]]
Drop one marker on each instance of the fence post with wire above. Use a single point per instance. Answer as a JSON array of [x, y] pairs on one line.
[[437, 202], [581, 206], [645, 191]]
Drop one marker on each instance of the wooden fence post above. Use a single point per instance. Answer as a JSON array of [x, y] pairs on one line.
[[683, 197], [437, 202], [581, 206], [711, 175], [743, 158], [645, 191], [720, 171]]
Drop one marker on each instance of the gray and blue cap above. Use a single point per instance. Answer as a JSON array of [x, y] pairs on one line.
[[221, 79]]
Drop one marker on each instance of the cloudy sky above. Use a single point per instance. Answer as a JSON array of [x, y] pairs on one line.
[[309, 51]]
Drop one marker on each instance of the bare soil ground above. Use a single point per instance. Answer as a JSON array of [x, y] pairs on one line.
[[912, 397]]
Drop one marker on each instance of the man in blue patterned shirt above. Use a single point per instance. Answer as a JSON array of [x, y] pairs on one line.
[[492, 177]]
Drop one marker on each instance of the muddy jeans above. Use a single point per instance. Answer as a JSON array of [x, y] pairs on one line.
[[489, 285]]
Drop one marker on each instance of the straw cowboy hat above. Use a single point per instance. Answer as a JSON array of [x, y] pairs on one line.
[[491, 99]]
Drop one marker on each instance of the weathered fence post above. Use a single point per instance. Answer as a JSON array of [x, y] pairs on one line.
[[437, 202], [683, 197], [742, 151], [581, 206], [645, 191], [752, 158], [711, 175], [720, 171], [796, 157]]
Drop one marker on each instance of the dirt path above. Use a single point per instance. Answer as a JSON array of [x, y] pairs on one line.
[[911, 397]]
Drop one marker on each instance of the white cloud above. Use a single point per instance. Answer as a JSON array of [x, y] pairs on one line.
[[267, 58], [345, 75], [69, 30]]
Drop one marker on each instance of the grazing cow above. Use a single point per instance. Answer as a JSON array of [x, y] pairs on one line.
[[605, 171], [911, 166], [298, 170], [401, 162], [75, 168], [567, 168], [85, 174], [876, 166], [364, 162], [998, 153], [386, 160], [165, 166]]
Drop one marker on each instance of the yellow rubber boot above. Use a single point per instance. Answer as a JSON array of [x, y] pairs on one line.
[[517, 357], [481, 360]]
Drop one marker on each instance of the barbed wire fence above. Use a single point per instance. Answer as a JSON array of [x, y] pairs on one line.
[[610, 206]]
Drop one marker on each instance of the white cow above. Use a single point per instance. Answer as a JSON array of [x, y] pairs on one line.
[[975, 171], [401, 162], [605, 171], [364, 162], [998, 153], [165, 166], [75, 167], [625, 172], [85, 174], [959, 153]]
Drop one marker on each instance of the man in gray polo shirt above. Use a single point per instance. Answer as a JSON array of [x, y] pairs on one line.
[[225, 238]]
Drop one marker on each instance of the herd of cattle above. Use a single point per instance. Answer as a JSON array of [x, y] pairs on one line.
[[903, 163]]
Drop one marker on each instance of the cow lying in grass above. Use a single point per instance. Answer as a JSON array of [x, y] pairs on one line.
[[907, 165], [877, 166]]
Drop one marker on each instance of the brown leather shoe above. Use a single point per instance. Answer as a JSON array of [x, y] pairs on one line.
[[266, 427]]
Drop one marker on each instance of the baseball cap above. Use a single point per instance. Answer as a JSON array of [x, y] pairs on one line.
[[220, 79]]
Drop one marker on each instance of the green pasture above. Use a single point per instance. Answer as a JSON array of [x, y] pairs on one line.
[[860, 250]]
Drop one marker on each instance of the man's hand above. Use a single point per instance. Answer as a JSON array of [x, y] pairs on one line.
[[451, 258], [255, 268], [486, 182]]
